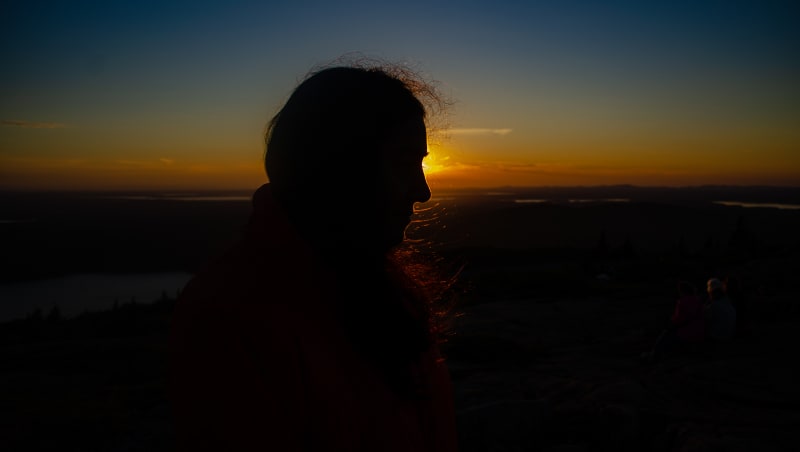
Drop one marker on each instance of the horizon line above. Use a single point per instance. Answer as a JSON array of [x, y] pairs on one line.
[[187, 190]]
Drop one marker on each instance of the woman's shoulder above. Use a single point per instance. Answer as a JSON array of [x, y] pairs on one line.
[[247, 279]]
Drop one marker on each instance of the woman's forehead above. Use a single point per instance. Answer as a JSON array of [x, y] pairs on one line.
[[408, 137]]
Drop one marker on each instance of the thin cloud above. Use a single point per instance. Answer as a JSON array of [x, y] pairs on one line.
[[134, 162], [32, 125], [146, 164], [479, 131]]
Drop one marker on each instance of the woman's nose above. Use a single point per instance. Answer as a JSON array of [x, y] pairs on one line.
[[421, 191]]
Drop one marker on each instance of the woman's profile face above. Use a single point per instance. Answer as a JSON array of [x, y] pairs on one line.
[[402, 180]]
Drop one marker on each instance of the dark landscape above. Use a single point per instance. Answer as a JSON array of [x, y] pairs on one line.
[[559, 291]]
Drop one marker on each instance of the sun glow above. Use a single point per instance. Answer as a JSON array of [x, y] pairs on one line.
[[435, 161]]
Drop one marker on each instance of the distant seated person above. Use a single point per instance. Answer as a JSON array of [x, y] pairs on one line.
[[719, 313], [687, 324]]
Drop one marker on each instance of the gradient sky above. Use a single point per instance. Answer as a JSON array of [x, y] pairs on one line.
[[159, 95]]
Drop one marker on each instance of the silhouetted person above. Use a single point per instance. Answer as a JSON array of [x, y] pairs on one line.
[[308, 335], [686, 327], [720, 313]]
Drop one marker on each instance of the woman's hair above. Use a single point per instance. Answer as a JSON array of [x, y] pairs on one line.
[[327, 132]]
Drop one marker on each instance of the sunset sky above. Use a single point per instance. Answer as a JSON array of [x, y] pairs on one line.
[[176, 95]]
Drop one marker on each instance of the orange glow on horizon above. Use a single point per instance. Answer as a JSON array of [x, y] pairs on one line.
[[445, 167], [127, 174], [499, 175]]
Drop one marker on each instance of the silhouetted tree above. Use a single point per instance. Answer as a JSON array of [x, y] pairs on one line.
[[601, 249], [54, 315], [710, 247], [743, 243], [36, 315], [680, 247], [628, 250]]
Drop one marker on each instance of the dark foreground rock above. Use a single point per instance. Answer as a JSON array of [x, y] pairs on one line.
[[529, 375], [566, 375]]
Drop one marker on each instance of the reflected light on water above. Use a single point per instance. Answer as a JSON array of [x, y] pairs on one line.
[[181, 198], [530, 201], [599, 200], [767, 205]]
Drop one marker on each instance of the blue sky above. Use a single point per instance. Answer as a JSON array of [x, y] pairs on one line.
[[626, 87]]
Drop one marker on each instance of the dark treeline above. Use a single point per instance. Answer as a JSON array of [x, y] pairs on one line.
[[49, 235], [125, 319], [45, 235]]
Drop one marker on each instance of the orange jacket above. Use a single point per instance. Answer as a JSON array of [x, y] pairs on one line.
[[688, 318], [259, 361]]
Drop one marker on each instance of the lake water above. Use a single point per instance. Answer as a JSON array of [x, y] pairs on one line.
[[195, 198], [767, 205], [75, 294]]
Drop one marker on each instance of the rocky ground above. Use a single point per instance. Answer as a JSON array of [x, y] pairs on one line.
[[565, 375], [93, 383], [559, 374]]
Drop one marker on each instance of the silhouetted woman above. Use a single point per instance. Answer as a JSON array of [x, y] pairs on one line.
[[307, 335]]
